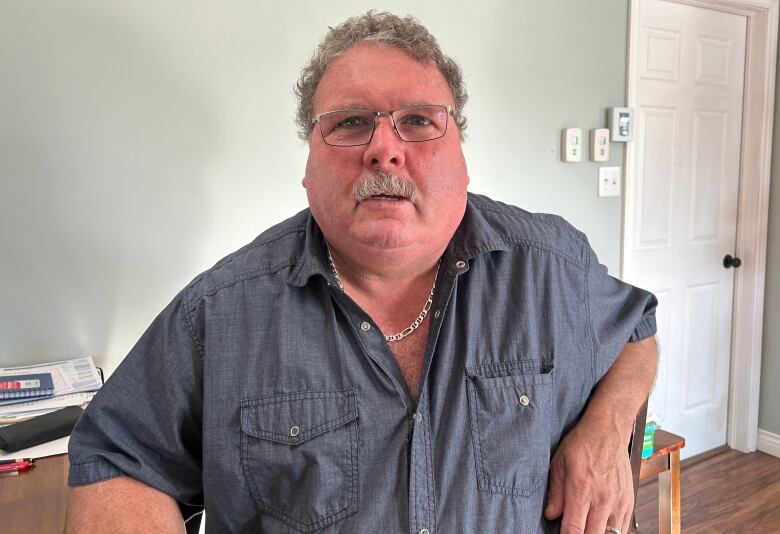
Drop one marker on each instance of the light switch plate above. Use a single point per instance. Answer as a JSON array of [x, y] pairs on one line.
[[609, 181]]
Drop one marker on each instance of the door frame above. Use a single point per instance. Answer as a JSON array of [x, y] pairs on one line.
[[753, 202]]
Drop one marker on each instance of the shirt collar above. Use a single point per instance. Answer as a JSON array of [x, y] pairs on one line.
[[474, 236]]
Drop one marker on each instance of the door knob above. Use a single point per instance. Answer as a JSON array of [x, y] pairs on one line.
[[730, 261]]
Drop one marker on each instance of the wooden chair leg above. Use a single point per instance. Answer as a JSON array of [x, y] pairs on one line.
[[669, 501]]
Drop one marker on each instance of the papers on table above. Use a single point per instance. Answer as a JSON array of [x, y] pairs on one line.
[[75, 382]]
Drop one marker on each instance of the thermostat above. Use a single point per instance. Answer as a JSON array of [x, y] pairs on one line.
[[571, 144], [599, 144], [621, 124]]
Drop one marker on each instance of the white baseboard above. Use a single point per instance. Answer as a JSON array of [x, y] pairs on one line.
[[768, 442]]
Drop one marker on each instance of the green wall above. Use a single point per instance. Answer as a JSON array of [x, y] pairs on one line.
[[140, 142]]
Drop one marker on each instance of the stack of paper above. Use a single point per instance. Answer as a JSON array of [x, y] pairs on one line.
[[75, 382]]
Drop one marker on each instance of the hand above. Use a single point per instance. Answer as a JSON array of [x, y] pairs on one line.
[[591, 482]]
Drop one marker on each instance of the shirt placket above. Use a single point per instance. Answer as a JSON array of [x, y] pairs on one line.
[[422, 491]]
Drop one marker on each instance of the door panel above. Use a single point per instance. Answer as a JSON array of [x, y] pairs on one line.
[[688, 81]]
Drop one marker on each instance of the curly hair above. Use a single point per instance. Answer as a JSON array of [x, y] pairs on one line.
[[405, 33]]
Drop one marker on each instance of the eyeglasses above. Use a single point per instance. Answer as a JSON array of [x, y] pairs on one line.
[[354, 127]]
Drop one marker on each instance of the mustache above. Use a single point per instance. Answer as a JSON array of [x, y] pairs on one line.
[[384, 183]]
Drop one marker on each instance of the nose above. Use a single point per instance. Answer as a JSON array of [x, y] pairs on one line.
[[386, 150]]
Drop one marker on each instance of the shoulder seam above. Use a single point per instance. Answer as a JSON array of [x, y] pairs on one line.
[[241, 278], [507, 239], [245, 250]]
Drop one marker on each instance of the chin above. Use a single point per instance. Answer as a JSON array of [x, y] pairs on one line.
[[387, 239]]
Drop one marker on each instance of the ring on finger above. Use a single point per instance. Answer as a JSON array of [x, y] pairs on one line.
[[613, 530]]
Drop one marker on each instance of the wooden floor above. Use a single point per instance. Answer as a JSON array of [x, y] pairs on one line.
[[729, 492]]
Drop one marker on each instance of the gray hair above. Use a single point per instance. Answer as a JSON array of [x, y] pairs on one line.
[[406, 34]]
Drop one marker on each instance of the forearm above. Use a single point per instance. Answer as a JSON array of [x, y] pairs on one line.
[[621, 392], [121, 505]]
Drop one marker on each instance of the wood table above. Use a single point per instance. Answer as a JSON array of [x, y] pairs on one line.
[[665, 462], [35, 501]]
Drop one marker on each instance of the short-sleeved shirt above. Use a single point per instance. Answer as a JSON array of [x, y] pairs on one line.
[[265, 393]]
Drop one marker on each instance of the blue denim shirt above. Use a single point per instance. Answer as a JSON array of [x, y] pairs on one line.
[[267, 394]]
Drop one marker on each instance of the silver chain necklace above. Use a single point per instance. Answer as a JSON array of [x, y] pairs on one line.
[[417, 322]]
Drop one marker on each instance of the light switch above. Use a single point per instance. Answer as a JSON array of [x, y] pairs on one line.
[[609, 181]]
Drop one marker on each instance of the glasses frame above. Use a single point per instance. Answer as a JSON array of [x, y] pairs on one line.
[[377, 114]]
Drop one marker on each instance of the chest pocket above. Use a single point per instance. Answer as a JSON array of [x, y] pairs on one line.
[[510, 428], [299, 454]]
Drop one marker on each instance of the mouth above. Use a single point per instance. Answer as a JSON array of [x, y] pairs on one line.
[[386, 197]]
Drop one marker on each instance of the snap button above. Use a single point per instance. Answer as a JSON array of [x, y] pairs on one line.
[[436, 314], [425, 531], [460, 264], [294, 431], [524, 400], [418, 417], [365, 327]]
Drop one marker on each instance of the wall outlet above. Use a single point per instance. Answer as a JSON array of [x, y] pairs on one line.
[[609, 181]]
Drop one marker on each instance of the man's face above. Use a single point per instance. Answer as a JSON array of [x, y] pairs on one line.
[[380, 78]]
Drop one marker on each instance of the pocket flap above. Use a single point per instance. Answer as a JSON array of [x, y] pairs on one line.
[[294, 418]]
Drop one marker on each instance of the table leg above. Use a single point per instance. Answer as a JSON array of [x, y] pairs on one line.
[[669, 498]]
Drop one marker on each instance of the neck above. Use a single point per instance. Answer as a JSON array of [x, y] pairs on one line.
[[392, 292], [392, 269]]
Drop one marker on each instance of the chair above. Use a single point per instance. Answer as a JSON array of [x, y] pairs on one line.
[[664, 462], [635, 445]]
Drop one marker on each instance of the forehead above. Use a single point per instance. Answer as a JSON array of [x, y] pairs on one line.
[[379, 77]]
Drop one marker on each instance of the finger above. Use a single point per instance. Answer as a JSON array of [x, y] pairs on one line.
[[575, 514], [607, 503], [625, 505], [625, 525], [628, 508], [614, 523], [598, 515], [555, 500], [629, 515], [619, 521]]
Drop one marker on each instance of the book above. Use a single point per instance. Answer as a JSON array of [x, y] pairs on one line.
[[70, 377], [26, 386]]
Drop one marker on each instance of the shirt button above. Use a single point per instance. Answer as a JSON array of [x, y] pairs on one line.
[[294, 431], [524, 400], [365, 327], [436, 314], [460, 264], [418, 417]]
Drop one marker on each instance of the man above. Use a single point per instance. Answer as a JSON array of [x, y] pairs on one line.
[[404, 357]]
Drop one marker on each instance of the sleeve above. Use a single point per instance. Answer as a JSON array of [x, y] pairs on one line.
[[618, 313], [145, 422]]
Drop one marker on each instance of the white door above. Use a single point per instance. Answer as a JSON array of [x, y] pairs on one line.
[[686, 77]]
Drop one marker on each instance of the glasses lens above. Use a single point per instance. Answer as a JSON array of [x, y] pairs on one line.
[[347, 127], [421, 123]]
